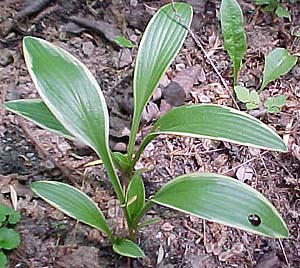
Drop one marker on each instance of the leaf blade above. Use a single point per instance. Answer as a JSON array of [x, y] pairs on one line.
[[160, 44], [36, 111], [220, 123], [279, 62], [128, 248], [215, 197], [72, 202], [135, 189], [232, 24], [73, 96]]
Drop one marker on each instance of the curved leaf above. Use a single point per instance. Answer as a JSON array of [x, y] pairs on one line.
[[135, 196], [72, 202], [73, 96], [37, 111], [277, 63], [232, 24], [9, 238], [223, 200], [128, 248], [220, 123], [160, 44], [3, 259]]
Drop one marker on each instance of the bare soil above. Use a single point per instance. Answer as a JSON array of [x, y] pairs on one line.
[[28, 154]]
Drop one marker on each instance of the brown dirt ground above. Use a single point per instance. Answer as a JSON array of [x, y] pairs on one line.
[[27, 153]]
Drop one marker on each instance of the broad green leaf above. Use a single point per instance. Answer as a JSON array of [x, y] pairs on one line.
[[72, 202], [36, 111], [242, 93], [254, 97], [277, 101], [273, 110], [3, 259], [128, 248], [135, 192], [73, 96], [278, 62], [220, 123], [4, 211], [14, 217], [251, 105], [123, 42], [224, 200], [160, 44], [9, 238], [281, 12], [232, 24]]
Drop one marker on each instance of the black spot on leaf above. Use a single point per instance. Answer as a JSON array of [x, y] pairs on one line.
[[254, 219]]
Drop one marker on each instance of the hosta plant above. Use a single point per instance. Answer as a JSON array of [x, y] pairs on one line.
[[72, 105]]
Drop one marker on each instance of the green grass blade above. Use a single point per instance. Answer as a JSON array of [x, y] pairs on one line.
[[72, 202], [135, 192], [36, 111], [224, 200]]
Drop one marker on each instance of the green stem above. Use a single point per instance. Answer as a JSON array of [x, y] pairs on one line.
[[133, 132], [108, 164]]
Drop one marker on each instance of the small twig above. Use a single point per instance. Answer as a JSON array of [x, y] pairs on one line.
[[284, 254], [185, 225], [238, 166]]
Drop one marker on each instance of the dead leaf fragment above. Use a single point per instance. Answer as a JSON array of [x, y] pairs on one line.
[[244, 173]]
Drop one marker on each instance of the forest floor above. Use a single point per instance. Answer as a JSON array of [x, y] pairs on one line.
[[28, 153]]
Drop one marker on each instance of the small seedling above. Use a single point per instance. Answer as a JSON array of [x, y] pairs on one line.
[[73, 106], [279, 62], [9, 238], [274, 104], [251, 100], [235, 41], [274, 7]]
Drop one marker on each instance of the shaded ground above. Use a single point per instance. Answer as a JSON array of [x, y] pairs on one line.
[[27, 153]]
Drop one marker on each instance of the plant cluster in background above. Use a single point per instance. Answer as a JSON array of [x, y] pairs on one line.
[[275, 7], [74, 107], [279, 62], [9, 238]]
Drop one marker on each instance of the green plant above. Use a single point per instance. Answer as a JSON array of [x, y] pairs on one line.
[[235, 40], [274, 104], [73, 106], [251, 100], [9, 238], [279, 62], [274, 6]]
